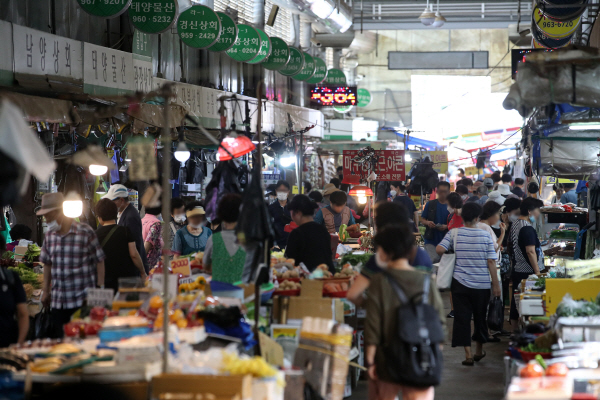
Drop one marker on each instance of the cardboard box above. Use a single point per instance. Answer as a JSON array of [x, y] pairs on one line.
[[270, 350], [311, 303], [134, 390], [218, 385]]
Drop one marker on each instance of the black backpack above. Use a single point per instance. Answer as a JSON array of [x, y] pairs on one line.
[[414, 357]]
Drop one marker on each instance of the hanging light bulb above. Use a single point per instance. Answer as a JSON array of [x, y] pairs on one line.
[[362, 199], [439, 18], [287, 159], [72, 206], [98, 170], [182, 154], [427, 17]]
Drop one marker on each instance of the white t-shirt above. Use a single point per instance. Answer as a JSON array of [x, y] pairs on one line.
[[488, 229]]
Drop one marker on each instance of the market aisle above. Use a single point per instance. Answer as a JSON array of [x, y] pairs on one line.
[[483, 381]]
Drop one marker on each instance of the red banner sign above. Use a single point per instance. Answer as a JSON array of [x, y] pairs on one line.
[[389, 165]]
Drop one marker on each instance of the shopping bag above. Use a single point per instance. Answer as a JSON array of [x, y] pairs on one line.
[[44, 328], [495, 316], [446, 265]]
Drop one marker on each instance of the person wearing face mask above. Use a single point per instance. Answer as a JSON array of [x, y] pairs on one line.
[[336, 214], [474, 275], [271, 194], [525, 249], [194, 236], [310, 243], [398, 193], [73, 261], [178, 218], [455, 204], [435, 218], [224, 258], [122, 258], [129, 217], [386, 214], [463, 191], [512, 211], [468, 182], [280, 213], [394, 245], [152, 234]]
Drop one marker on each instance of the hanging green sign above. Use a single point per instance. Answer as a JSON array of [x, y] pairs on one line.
[[342, 109], [199, 27], [335, 77], [308, 70], [320, 72], [364, 97], [280, 55], [104, 8], [228, 34], [294, 66], [247, 44], [154, 16], [265, 48]]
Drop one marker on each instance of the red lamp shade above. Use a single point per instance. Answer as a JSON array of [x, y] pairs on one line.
[[236, 146], [351, 179], [361, 191]]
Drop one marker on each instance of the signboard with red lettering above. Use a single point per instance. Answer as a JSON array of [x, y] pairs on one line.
[[181, 266], [389, 165]]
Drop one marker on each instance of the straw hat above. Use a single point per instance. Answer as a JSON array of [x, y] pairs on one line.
[[199, 210], [51, 202], [329, 188]]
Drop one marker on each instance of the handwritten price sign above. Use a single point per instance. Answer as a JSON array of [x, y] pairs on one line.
[[389, 165], [181, 266]]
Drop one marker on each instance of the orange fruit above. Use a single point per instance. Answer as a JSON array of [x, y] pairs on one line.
[[176, 315], [156, 302], [182, 323]]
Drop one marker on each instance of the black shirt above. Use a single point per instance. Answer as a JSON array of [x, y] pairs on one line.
[[131, 219], [310, 244], [118, 262], [281, 217], [11, 294], [408, 203], [519, 192]]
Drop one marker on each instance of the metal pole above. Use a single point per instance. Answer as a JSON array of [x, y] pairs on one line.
[[300, 159], [166, 211]]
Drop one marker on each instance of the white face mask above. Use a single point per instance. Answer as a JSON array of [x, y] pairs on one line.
[[197, 226], [53, 226], [464, 197], [281, 196], [450, 209], [513, 217], [496, 225], [380, 263], [180, 219], [393, 193]]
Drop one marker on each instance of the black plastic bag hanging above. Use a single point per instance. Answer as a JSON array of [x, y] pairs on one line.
[[224, 180], [254, 223], [495, 316]]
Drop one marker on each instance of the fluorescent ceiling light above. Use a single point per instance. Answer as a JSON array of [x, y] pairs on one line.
[[584, 126]]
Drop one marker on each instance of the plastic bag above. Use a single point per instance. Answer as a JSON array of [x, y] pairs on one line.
[[44, 327], [572, 308], [495, 314]]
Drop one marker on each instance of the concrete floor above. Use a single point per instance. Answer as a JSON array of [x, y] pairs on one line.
[[484, 381]]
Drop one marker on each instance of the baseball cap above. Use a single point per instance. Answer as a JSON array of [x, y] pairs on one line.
[[115, 192], [489, 182]]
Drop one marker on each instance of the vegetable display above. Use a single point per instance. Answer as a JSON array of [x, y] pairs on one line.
[[344, 235], [355, 259], [33, 252], [26, 275]]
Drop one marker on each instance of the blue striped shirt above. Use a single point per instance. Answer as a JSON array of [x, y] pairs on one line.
[[474, 248]]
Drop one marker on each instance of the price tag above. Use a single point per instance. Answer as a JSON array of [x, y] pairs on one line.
[[107, 71], [104, 8], [100, 297], [181, 266], [280, 55], [335, 77], [320, 72], [265, 48], [295, 64], [364, 97], [154, 16], [199, 27], [247, 44], [143, 161], [308, 70], [228, 34]]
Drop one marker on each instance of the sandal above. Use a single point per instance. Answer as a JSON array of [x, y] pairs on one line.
[[478, 358], [468, 362]]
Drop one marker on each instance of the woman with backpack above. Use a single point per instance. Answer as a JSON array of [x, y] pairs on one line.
[[387, 346], [474, 274]]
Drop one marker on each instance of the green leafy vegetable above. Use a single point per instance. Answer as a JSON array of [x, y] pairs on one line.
[[532, 348], [343, 233], [33, 252], [26, 275], [354, 259]]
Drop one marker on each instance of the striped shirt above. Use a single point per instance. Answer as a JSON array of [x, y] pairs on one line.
[[73, 259], [474, 248]]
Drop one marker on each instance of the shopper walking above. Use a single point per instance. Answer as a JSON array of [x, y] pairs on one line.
[[152, 234], [122, 258], [194, 236], [386, 214], [129, 217], [398, 192], [435, 217], [310, 243], [178, 218], [73, 261], [474, 274], [518, 189], [455, 205], [525, 250], [14, 315], [393, 245], [570, 195], [512, 211], [280, 213], [223, 256]]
